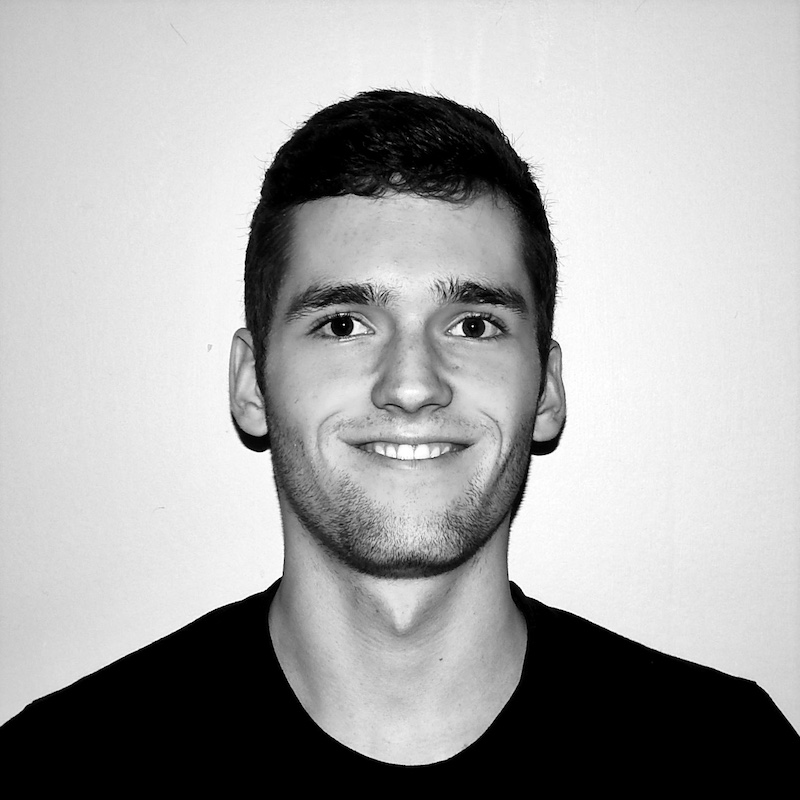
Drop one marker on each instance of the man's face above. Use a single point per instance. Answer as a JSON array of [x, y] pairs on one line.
[[401, 380]]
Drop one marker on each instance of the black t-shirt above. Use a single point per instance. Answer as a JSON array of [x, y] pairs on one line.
[[209, 708]]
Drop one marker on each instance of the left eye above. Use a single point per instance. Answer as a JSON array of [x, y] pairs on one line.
[[475, 328]]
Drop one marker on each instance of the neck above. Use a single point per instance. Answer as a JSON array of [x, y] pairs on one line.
[[406, 671]]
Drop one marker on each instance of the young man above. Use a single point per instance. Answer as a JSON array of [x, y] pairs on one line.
[[399, 286]]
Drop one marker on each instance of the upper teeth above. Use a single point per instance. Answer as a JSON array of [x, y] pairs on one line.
[[410, 452]]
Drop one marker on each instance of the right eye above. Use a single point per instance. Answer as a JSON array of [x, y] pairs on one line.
[[341, 326]]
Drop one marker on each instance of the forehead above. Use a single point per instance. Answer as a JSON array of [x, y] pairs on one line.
[[404, 240]]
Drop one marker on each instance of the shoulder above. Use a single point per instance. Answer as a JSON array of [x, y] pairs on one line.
[[617, 695], [207, 644], [160, 691], [577, 645]]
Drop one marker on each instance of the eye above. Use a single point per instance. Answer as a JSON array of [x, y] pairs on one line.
[[341, 326], [477, 326]]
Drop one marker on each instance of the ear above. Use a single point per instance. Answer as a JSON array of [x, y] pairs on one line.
[[552, 409], [247, 402]]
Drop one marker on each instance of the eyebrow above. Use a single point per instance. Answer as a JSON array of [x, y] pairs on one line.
[[451, 290], [469, 292], [323, 295]]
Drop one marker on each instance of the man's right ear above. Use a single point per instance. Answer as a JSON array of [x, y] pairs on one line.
[[247, 402]]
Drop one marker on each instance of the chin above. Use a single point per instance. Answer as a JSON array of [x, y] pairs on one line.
[[406, 566], [374, 541]]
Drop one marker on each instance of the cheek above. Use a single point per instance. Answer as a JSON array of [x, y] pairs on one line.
[[304, 389], [507, 381]]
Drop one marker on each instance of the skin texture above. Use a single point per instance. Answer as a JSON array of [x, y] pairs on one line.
[[401, 320]]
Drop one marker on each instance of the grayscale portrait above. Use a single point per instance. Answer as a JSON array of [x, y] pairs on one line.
[[400, 389]]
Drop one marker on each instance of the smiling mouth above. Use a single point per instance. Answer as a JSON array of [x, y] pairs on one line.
[[412, 452]]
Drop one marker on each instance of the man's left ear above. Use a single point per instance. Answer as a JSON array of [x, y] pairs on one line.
[[552, 408]]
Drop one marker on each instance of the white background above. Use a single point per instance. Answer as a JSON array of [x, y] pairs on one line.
[[132, 144]]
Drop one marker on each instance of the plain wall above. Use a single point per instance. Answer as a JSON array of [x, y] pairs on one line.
[[133, 139]]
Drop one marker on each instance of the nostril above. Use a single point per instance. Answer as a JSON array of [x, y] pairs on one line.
[[411, 378]]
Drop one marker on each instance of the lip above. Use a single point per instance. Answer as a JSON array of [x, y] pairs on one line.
[[423, 451], [456, 439], [371, 443], [378, 461]]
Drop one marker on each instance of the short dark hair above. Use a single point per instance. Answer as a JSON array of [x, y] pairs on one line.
[[386, 141]]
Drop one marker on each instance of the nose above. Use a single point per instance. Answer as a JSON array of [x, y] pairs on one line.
[[411, 376]]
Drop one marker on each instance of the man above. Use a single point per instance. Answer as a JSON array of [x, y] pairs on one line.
[[399, 288]]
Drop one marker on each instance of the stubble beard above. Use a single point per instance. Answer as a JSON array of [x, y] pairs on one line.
[[377, 539]]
